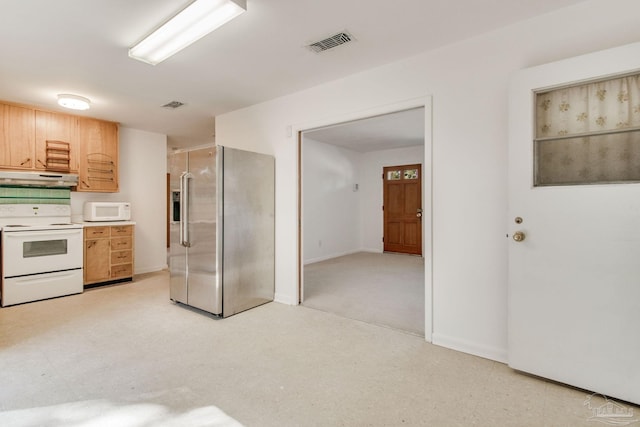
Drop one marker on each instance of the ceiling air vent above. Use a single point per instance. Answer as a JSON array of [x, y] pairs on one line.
[[173, 105], [331, 42]]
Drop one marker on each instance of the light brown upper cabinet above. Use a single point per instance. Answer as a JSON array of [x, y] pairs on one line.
[[53, 130], [35, 139], [98, 155], [17, 135]]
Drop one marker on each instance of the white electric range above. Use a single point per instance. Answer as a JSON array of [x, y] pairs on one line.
[[41, 253]]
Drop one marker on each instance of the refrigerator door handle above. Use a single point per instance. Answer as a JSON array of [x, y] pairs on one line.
[[184, 209]]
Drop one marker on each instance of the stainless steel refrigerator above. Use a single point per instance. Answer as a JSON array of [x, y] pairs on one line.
[[222, 229]]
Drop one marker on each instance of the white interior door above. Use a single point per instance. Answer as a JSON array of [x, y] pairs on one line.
[[574, 281]]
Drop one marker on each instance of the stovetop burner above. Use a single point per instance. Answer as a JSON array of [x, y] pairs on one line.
[[17, 228], [19, 217]]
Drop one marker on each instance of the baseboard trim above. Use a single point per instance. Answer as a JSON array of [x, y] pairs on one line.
[[285, 299], [477, 349], [150, 269], [327, 257], [371, 250]]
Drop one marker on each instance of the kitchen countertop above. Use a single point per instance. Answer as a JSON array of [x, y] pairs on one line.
[[104, 223]]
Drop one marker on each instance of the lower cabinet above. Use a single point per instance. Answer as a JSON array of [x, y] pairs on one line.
[[108, 253]]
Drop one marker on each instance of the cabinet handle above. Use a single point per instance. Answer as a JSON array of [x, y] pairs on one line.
[[85, 184], [26, 161], [100, 170], [43, 164], [97, 178]]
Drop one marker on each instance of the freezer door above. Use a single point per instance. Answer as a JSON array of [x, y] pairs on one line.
[[177, 253], [204, 291], [248, 230]]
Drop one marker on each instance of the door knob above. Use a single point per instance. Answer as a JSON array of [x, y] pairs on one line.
[[419, 213], [519, 236]]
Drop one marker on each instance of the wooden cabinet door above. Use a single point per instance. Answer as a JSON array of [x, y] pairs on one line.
[[17, 136], [56, 127], [97, 256], [98, 155]]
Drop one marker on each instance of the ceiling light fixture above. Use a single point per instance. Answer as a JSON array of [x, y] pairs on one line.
[[73, 102], [191, 24]]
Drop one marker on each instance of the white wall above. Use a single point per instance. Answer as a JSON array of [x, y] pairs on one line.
[[143, 168], [371, 199], [468, 82], [331, 209], [336, 220]]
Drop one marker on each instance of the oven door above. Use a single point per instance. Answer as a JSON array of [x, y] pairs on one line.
[[41, 251]]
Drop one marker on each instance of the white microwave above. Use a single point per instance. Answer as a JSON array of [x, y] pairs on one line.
[[106, 211]]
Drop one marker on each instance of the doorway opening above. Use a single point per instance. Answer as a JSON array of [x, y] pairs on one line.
[[345, 266]]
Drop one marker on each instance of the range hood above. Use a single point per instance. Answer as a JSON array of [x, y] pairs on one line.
[[38, 179]]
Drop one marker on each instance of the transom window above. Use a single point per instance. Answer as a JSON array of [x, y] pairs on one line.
[[399, 174]]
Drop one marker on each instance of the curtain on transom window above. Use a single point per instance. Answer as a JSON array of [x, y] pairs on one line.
[[588, 133]]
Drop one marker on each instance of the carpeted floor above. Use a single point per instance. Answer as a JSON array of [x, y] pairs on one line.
[[380, 288]]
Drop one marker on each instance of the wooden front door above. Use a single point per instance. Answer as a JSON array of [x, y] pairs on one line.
[[403, 209]]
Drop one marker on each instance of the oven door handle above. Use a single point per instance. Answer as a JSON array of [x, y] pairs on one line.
[[29, 234], [184, 208]]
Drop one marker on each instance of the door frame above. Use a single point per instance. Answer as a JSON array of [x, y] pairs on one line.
[[427, 186]]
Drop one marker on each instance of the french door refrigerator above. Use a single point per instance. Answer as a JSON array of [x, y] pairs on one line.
[[222, 229]]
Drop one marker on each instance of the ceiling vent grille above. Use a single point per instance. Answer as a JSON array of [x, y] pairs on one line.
[[331, 42], [173, 105]]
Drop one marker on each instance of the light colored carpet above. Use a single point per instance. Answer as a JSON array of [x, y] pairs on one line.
[[126, 356], [380, 288]]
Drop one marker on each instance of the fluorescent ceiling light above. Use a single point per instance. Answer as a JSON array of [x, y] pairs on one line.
[[191, 24], [74, 102]]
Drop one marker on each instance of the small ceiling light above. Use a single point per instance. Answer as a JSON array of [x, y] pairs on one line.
[[74, 102], [191, 24]]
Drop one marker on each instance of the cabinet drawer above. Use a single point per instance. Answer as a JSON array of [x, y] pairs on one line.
[[121, 257], [120, 243], [121, 230], [96, 232], [122, 270]]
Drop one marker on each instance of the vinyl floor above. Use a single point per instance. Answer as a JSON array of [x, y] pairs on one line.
[[126, 356]]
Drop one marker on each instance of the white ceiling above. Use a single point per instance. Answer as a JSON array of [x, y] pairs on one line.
[[397, 130], [80, 47]]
